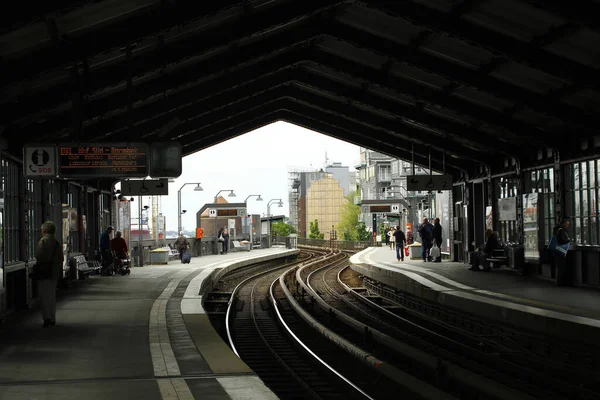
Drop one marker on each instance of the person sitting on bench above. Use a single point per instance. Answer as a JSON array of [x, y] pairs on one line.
[[479, 257]]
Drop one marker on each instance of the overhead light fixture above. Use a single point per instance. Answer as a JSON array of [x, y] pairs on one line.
[[280, 204], [259, 198], [231, 194], [198, 188], [183, 211], [131, 199]]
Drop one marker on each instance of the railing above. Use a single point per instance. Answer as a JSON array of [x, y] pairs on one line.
[[336, 244]]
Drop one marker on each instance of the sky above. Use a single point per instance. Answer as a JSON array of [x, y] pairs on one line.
[[254, 163]]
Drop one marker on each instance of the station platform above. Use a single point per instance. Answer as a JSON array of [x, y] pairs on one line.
[[141, 336], [502, 294]]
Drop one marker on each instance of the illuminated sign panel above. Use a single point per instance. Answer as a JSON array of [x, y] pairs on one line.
[[380, 209], [232, 212], [120, 160]]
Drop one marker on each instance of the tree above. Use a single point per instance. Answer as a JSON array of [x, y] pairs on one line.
[[363, 234], [314, 231], [283, 229], [349, 224]]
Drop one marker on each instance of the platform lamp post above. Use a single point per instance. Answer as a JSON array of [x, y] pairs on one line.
[[198, 188], [258, 198]]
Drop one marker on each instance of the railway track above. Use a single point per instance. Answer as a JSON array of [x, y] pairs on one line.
[[255, 336], [294, 361], [450, 345]]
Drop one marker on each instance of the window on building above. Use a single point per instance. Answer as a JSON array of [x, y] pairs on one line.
[[385, 173], [581, 201]]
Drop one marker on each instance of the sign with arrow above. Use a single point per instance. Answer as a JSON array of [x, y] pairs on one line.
[[147, 187], [427, 183]]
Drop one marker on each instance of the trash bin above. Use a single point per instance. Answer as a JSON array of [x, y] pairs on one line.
[[415, 251], [516, 256], [159, 256]]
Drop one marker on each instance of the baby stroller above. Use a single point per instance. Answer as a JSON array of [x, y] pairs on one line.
[[118, 265]]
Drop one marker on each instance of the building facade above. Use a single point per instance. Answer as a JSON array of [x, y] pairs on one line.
[[384, 178], [319, 195]]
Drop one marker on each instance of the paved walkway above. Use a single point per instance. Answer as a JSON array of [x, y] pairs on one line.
[[119, 337], [505, 282]]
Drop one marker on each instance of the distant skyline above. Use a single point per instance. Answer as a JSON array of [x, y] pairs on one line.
[[254, 163]]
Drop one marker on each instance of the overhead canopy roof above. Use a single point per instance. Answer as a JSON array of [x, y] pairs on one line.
[[481, 81]]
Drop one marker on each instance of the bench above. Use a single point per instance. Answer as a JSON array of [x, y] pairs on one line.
[[239, 246], [497, 258], [84, 267]]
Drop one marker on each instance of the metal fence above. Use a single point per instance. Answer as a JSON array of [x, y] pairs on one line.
[[335, 244]]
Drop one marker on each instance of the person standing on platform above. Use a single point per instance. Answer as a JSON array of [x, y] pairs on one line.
[[392, 238], [105, 247], [181, 244], [437, 237], [386, 235], [49, 257], [563, 273], [225, 241], [426, 234], [400, 239]]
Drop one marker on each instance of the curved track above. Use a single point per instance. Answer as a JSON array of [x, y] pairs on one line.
[[279, 359], [448, 344]]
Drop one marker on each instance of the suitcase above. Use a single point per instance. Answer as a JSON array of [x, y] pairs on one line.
[[186, 258]]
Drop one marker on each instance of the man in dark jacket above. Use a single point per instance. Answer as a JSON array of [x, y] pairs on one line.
[[479, 258], [400, 242], [426, 234], [49, 252], [181, 244], [437, 238], [563, 277]]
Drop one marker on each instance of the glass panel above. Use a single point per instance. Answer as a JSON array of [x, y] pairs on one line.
[[584, 180], [551, 180], [594, 227], [576, 176], [592, 173], [577, 231], [577, 200]]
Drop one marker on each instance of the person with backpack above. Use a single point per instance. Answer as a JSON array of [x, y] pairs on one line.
[[426, 234], [400, 239]]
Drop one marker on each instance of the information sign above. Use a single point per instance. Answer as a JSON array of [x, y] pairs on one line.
[[39, 161], [150, 187], [428, 182], [230, 212], [212, 212], [103, 160], [380, 209]]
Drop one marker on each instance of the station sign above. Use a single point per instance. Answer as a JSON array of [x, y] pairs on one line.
[[428, 182], [231, 212], [150, 187], [212, 212], [395, 208], [101, 160], [39, 162]]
